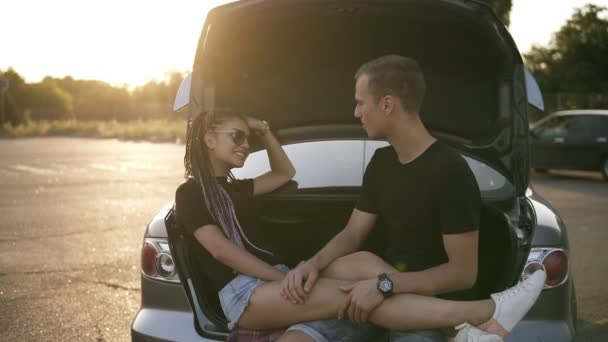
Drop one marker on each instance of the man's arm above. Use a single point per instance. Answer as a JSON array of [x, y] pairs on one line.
[[459, 273], [299, 282], [348, 241]]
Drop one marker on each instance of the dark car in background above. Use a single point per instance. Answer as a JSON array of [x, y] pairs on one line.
[[571, 140], [292, 63]]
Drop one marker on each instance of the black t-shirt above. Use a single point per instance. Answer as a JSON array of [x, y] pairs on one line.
[[418, 202], [192, 213]]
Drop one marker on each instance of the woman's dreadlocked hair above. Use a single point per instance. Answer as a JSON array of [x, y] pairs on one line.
[[198, 167]]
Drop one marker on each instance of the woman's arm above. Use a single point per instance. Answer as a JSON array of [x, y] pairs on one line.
[[281, 169], [229, 254]]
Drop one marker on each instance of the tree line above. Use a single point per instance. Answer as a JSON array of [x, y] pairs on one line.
[[68, 98]]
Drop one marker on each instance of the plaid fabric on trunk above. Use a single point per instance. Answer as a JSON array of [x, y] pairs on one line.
[[247, 335]]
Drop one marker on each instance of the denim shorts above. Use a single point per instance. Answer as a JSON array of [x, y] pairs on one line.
[[234, 297]]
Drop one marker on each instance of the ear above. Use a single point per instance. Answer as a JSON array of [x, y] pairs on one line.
[[210, 141], [388, 103]]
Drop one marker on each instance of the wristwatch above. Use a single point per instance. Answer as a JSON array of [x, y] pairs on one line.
[[265, 130], [385, 285]]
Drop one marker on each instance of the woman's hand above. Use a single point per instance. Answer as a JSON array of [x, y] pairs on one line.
[[257, 125], [298, 283]]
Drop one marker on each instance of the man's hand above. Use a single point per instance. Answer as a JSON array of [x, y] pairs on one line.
[[363, 297], [298, 283]]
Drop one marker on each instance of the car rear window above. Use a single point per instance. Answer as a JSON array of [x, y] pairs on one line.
[[341, 163]]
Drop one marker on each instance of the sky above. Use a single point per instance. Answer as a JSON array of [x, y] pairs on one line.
[[130, 42]]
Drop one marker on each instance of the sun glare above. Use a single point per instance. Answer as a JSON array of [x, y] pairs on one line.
[[119, 42], [132, 42]]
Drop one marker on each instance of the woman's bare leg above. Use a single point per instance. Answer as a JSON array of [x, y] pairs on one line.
[[267, 309]]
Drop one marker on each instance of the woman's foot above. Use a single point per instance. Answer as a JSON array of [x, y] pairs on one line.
[[513, 304]]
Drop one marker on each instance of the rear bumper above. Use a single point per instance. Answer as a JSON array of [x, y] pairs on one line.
[[164, 325], [541, 331], [155, 325]]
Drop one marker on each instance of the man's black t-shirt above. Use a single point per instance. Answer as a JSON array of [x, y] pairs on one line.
[[418, 202], [192, 213]]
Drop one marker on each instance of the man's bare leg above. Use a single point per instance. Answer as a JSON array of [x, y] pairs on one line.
[[357, 266], [267, 309]]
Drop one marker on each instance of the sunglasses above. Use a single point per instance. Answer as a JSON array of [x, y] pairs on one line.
[[238, 137]]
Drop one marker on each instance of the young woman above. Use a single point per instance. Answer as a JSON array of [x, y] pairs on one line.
[[211, 205]]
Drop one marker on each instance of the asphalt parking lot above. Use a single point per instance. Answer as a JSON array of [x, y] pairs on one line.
[[73, 213]]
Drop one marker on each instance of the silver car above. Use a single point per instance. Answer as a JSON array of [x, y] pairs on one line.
[[292, 64]]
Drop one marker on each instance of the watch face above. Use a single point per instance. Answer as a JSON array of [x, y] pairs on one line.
[[385, 285]]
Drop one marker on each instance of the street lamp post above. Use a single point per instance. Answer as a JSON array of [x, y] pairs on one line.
[[3, 88]]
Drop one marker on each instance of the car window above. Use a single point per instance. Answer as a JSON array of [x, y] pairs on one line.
[[580, 126], [552, 128], [318, 164], [604, 126], [341, 163], [487, 178], [599, 126]]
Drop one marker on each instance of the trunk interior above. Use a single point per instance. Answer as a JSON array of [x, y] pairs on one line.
[[298, 224]]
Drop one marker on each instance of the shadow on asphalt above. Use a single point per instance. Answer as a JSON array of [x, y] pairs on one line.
[[569, 175]]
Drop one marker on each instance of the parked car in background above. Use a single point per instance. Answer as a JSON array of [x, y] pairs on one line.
[[292, 63], [571, 140]]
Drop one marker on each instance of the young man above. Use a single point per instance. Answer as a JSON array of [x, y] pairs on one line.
[[423, 192]]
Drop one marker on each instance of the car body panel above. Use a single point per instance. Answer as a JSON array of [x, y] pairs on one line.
[[151, 325], [536, 331]]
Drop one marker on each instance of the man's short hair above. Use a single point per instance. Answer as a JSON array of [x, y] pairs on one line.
[[397, 76]]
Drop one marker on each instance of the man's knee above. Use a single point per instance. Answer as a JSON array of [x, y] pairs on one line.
[[370, 263], [357, 266]]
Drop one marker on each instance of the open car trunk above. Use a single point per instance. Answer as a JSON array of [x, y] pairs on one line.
[[298, 224], [292, 63]]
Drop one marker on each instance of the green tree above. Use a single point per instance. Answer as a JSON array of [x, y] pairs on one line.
[[575, 60], [16, 97], [97, 100], [50, 102]]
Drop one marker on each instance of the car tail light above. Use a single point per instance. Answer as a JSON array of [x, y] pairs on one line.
[[553, 260], [556, 266], [148, 259], [164, 265], [156, 260]]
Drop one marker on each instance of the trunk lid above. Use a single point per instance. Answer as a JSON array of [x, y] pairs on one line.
[[292, 63]]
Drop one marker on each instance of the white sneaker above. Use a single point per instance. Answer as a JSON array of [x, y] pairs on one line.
[[513, 304], [468, 333]]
